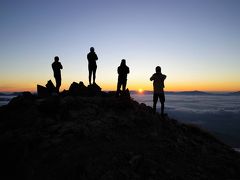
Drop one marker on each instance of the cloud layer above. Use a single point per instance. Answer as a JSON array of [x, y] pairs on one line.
[[219, 114]]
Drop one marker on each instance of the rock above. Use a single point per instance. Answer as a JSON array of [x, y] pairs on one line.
[[78, 89], [27, 94], [49, 105], [94, 90], [74, 136], [124, 94], [42, 91], [135, 160], [25, 99], [50, 87], [49, 90], [74, 88]]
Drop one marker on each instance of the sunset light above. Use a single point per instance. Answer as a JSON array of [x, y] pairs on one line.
[[140, 91], [120, 89], [187, 43]]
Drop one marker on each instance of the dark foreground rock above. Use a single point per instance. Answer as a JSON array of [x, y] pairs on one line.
[[76, 137]]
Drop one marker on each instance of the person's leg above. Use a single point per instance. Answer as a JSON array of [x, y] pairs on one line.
[[162, 108], [155, 99], [118, 88], [162, 100], [90, 74], [94, 74], [124, 85], [89, 77], [58, 84], [57, 90]]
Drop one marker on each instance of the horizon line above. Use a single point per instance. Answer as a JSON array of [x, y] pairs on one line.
[[137, 90]]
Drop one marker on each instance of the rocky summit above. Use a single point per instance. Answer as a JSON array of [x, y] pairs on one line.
[[103, 137]]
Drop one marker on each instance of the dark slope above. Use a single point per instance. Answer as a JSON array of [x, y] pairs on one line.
[[100, 137]]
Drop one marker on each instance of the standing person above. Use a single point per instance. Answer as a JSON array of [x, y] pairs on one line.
[[57, 66], [92, 65], [158, 85], [123, 70]]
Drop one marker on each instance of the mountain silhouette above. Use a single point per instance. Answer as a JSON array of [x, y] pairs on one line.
[[97, 136]]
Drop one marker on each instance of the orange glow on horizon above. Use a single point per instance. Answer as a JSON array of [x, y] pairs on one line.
[[169, 86], [140, 91]]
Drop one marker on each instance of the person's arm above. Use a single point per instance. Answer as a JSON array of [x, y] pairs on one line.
[[128, 71], [60, 65], [96, 57], [152, 78]]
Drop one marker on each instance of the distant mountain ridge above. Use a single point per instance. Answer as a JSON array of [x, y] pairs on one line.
[[235, 93], [190, 92], [195, 92], [10, 94]]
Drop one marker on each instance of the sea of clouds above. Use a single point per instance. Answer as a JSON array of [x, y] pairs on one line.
[[216, 113]]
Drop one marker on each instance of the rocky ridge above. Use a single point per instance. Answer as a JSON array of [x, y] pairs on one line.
[[89, 135]]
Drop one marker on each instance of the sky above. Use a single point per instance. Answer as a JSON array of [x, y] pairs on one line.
[[196, 42]]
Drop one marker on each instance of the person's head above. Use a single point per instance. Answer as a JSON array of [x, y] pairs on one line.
[[158, 69], [91, 49], [56, 58], [123, 62]]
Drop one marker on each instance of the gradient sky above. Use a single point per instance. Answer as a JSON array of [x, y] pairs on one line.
[[196, 42]]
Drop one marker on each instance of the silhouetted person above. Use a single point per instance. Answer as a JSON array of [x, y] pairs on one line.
[[57, 66], [158, 85], [92, 65], [123, 70]]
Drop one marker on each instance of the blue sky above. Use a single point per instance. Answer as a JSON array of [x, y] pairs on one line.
[[196, 42]]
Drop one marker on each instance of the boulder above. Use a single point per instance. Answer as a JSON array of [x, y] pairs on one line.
[[93, 89], [78, 89], [51, 88], [42, 91]]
